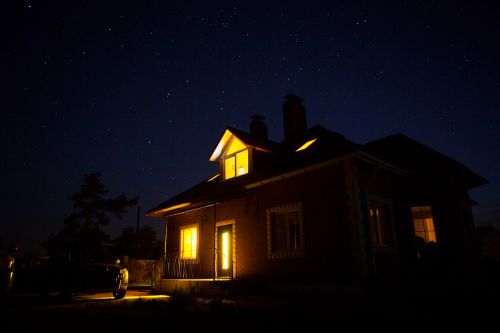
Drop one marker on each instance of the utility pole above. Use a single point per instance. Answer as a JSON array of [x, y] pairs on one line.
[[138, 221]]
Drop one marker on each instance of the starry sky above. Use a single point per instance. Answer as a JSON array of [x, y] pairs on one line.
[[140, 91]]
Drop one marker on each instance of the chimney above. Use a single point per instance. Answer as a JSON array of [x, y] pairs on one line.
[[294, 118], [258, 127]]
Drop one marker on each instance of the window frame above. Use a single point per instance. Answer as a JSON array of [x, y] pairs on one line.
[[181, 241], [434, 221], [380, 201], [288, 252], [233, 155]]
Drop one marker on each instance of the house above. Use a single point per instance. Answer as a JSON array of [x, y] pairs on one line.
[[317, 208]]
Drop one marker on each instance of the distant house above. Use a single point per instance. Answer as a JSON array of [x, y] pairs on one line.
[[317, 208]]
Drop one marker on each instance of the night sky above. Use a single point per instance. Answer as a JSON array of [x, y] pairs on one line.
[[140, 91]]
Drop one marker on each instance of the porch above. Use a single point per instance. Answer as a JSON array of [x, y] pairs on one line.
[[201, 272]]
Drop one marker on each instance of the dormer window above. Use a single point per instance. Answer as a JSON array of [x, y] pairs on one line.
[[236, 160], [234, 155]]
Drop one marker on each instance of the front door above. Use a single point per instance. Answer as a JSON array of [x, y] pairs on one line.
[[225, 251]]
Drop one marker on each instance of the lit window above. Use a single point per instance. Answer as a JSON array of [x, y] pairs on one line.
[[225, 250], [305, 145], [229, 167], [242, 163], [236, 162], [285, 231], [380, 226], [423, 223], [189, 242]]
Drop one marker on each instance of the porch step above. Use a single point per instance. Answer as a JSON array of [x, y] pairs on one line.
[[197, 287]]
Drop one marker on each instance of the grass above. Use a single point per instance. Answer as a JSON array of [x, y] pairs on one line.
[[451, 303]]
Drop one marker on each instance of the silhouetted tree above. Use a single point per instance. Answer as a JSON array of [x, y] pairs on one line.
[[142, 244], [82, 237]]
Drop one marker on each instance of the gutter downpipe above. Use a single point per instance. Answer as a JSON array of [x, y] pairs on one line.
[[215, 240], [165, 230]]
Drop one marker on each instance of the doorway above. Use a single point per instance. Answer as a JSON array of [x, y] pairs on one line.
[[225, 251]]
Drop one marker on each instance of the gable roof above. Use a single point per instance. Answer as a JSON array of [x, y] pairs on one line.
[[419, 159], [397, 150], [246, 138], [329, 146]]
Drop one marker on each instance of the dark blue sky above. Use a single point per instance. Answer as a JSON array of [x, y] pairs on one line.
[[140, 91]]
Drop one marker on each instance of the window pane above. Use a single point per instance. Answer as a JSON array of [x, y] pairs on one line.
[[242, 163], [229, 167], [278, 232], [189, 240], [384, 225], [225, 250], [420, 234], [374, 225], [431, 233], [380, 224], [294, 230], [285, 231], [418, 225], [423, 223]]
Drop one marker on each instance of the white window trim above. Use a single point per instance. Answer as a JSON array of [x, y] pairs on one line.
[[288, 253], [384, 201]]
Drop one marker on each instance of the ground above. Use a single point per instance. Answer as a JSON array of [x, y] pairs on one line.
[[447, 303]]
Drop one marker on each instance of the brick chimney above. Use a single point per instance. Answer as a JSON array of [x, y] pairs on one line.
[[294, 118], [258, 127]]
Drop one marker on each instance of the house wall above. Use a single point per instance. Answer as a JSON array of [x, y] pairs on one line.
[[375, 183], [452, 212], [328, 251], [452, 217], [337, 247]]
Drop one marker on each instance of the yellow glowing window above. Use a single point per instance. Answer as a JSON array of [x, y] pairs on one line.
[[236, 165], [230, 167], [242, 163], [306, 145], [225, 250], [189, 242], [423, 223]]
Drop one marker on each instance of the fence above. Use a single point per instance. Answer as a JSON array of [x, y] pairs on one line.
[[180, 265]]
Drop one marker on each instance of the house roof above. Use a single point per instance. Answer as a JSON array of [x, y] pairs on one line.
[[418, 159], [329, 146], [246, 138], [249, 139], [397, 150]]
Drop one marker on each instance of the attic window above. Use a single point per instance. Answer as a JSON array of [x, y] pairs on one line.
[[236, 160], [306, 145], [236, 165]]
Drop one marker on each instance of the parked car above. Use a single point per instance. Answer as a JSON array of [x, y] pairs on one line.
[[7, 264], [74, 278]]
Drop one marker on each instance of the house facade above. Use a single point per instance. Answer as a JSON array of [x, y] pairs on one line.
[[318, 208]]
